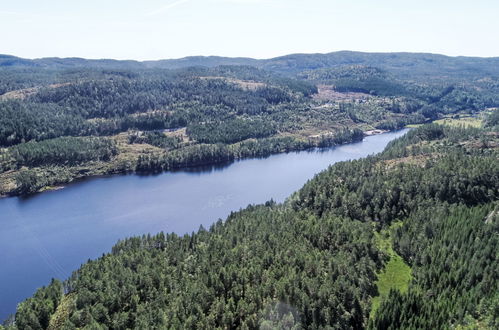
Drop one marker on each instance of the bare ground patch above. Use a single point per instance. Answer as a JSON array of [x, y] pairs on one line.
[[25, 92], [327, 93], [244, 84], [418, 160]]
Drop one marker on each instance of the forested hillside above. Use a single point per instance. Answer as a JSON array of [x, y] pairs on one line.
[[315, 261], [159, 115], [406, 64]]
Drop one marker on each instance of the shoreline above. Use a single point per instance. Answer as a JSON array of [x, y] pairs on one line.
[[77, 179], [365, 147]]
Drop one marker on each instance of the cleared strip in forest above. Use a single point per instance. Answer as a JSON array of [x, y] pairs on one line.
[[396, 274]]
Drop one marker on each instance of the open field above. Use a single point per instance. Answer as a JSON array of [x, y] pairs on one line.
[[467, 121], [462, 119], [396, 274]]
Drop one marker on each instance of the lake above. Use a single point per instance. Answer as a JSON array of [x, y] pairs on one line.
[[49, 235]]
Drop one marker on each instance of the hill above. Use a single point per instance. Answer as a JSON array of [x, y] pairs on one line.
[[161, 115], [357, 78], [404, 65]]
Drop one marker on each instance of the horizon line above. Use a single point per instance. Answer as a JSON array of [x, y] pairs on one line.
[[241, 57]]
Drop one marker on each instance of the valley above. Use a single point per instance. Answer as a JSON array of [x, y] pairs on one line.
[[236, 193], [221, 112]]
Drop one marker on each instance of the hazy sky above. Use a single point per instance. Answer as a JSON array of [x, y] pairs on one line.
[[154, 29]]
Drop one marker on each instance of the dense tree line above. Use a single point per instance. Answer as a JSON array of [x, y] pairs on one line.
[[36, 312], [61, 160], [204, 154], [157, 139], [62, 151], [30, 181], [26, 121], [55, 157], [119, 97], [395, 191], [388, 197], [230, 131], [358, 78], [239, 274]]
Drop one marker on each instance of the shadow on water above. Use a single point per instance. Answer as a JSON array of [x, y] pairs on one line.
[[207, 168], [197, 169]]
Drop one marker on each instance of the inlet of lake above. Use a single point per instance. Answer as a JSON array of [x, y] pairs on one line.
[[49, 235]]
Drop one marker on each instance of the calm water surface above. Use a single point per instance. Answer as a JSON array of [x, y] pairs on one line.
[[53, 233]]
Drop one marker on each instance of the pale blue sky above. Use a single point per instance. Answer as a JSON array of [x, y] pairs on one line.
[[155, 29]]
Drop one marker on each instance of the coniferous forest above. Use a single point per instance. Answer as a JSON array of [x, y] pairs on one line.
[[160, 115], [406, 239], [313, 262]]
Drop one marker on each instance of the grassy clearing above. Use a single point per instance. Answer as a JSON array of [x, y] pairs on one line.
[[396, 274], [466, 121], [461, 119]]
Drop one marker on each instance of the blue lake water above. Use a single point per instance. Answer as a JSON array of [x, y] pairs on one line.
[[49, 235]]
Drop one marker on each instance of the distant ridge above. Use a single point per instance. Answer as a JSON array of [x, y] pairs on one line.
[[401, 64], [208, 61]]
